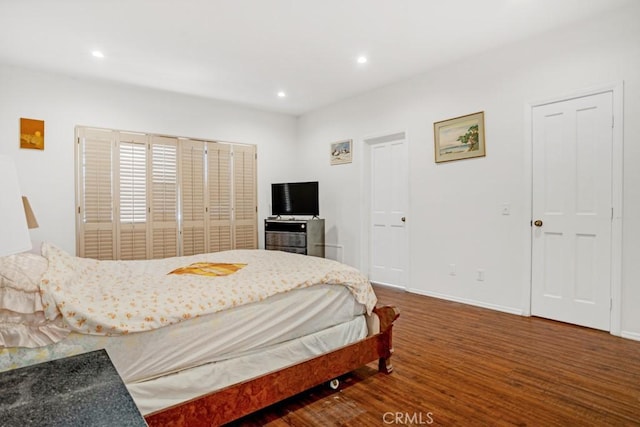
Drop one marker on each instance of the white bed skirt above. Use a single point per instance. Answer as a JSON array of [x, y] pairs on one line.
[[162, 392]]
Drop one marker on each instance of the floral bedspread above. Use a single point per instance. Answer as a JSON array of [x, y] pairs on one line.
[[120, 297]]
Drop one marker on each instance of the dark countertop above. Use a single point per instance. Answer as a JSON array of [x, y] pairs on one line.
[[83, 390]]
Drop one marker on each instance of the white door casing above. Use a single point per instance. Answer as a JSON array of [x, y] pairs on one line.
[[572, 175], [388, 211]]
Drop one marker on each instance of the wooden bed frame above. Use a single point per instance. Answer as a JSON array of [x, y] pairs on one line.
[[241, 399]]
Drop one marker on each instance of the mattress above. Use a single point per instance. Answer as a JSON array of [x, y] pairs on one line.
[[159, 393], [216, 337], [122, 297]]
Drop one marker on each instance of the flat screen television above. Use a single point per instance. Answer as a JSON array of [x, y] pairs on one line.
[[295, 198]]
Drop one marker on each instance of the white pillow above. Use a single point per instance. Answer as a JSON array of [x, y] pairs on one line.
[[22, 271]]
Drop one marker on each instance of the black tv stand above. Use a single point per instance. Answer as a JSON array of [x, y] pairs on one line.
[[301, 236]]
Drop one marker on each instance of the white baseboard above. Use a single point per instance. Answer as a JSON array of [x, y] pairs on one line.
[[630, 335], [495, 307]]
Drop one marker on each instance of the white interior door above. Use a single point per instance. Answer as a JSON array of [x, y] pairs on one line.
[[389, 195], [572, 210]]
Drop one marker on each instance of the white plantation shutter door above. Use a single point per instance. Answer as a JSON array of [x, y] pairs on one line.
[[143, 196], [164, 197], [244, 191], [192, 202], [219, 189], [95, 194], [132, 196]]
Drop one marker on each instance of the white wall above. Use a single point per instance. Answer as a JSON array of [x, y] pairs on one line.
[[454, 214], [455, 208], [47, 177]]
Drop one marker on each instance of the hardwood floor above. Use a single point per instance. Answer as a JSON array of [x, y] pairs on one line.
[[460, 365]]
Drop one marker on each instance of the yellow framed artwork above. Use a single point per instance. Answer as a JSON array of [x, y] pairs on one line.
[[32, 134]]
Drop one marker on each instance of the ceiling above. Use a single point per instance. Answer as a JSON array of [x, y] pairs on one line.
[[246, 51]]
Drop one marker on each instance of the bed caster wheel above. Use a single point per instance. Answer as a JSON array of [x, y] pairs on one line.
[[334, 384]]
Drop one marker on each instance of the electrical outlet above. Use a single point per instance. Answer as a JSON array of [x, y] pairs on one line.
[[452, 269], [480, 277], [506, 209]]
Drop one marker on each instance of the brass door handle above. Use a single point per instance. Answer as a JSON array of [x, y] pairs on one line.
[[537, 223]]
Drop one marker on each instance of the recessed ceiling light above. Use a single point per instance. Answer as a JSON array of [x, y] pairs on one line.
[[362, 59], [281, 94], [97, 54]]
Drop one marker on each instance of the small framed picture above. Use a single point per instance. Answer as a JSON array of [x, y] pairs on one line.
[[459, 138], [32, 134], [341, 152]]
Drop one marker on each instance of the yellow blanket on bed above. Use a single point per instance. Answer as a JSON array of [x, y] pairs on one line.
[[209, 269]]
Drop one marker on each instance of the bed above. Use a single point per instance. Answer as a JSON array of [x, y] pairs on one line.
[[199, 340]]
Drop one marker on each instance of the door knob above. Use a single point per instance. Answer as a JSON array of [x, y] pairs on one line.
[[537, 223], [403, 219]]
